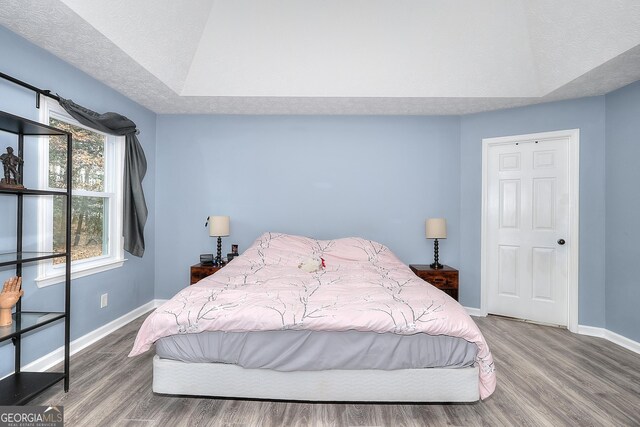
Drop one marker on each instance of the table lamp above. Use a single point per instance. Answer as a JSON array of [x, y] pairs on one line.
[[219, 227], [436, 229]]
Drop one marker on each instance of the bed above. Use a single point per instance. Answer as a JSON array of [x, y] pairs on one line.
[[296, 318]]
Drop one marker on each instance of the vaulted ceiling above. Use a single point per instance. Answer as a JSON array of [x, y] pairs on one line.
[[340, 56]]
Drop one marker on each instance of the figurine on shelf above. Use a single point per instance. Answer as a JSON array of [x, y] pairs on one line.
[[11, 293], [10, 163]]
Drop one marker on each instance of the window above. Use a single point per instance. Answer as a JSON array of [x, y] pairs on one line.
[[96, 216]]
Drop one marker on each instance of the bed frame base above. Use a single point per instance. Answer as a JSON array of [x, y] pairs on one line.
[[405, 385]]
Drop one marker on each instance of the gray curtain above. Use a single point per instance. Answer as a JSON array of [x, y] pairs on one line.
[[135, 167]]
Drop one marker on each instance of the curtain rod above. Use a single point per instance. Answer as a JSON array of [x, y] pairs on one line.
[[38, 91]]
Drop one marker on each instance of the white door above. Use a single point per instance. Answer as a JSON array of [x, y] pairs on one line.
[[527, 229]]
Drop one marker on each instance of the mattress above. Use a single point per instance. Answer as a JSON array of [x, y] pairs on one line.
[[290, 350]]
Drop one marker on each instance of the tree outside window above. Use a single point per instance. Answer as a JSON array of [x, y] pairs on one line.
[[89, 232]]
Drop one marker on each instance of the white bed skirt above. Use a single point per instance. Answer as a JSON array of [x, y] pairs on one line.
[[405, 385]]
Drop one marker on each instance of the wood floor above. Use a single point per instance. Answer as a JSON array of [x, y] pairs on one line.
[[546, 377]]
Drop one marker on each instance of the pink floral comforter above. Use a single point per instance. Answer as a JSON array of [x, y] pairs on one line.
[[363, 287]]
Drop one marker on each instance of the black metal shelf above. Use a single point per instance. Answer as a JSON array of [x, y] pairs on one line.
[[26, 321], [16, 258], [21, 126], [19, 388], [32, 192]]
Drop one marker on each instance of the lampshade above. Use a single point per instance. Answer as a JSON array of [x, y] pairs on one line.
[[436, 228], [218, 226]]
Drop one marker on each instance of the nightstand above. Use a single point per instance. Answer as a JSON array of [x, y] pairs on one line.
[[200, 271], [445, 279]]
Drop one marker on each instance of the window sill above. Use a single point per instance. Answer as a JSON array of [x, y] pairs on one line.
[[80, 270]]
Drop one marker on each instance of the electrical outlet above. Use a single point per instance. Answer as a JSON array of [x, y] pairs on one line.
[[104, 300]]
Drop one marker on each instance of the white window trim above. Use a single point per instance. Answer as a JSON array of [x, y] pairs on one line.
[[48, 274]]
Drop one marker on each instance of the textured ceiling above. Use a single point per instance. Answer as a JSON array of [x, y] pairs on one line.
[[340, 56]]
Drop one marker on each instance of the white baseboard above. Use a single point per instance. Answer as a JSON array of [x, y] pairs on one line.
[[475, 312], [56, 356], [618, 339], [592, 331], [622, 341]]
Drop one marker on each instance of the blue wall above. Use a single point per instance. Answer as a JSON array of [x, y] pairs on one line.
[[586, 114], [623, 211], [130, 286], [326, 177]]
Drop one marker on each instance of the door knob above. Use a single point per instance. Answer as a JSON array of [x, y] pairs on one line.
[[561, 241]]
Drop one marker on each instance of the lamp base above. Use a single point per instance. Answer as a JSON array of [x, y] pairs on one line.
[[218, 261], [435, 265]]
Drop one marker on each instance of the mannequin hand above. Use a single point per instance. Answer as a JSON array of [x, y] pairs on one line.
[[11, 292]]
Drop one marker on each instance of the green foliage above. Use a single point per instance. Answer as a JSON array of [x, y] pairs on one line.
[[88, 158], [89, 214]]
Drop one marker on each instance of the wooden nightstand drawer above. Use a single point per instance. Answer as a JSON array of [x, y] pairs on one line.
[[445, 279], [199, 272]]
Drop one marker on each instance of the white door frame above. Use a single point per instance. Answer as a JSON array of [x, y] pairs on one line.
[[574, 215]]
